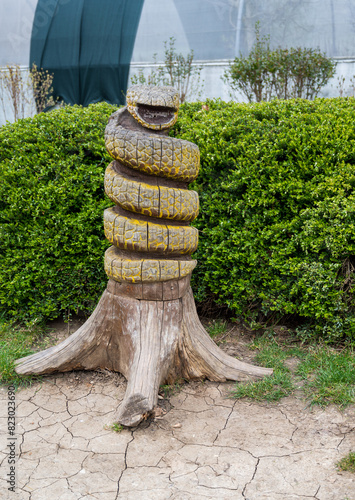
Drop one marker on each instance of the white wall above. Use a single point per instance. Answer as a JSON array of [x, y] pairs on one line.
[[214, 87], [6, 108], [345, 69]]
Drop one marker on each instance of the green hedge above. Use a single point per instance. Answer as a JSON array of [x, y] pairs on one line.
[[276, 221], [277, 225], [51, 204]]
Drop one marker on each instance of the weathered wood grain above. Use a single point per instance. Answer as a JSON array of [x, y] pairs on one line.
[[151, 342]]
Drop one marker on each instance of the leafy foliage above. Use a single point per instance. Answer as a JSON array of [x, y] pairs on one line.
[[51, 204], [267, 74], [276, 222], [277, 209], [42, 90]]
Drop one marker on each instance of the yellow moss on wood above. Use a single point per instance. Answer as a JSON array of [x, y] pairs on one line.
[[154, 154]]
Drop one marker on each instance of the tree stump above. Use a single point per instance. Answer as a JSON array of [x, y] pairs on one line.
[[145, 325]]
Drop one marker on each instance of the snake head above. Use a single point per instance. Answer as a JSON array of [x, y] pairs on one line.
[[153, 107]]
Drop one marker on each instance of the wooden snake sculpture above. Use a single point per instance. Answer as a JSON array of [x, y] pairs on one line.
[[145, 325], [148, 180]]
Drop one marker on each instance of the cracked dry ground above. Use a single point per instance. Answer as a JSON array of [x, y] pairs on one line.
[[200, 445]]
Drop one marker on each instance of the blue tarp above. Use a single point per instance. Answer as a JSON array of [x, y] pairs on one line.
[[87, 45]]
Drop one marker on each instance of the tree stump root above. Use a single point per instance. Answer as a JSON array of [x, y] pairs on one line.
[[151, 342]]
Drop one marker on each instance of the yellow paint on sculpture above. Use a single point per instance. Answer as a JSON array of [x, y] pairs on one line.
[[153, 201], [159, 156], [145, 270], [143, 236], [154, 155]]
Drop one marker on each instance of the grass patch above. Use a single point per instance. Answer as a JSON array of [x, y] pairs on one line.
[[272, 388], [329, 376], [115, 427], [16, 342], [325, 375], [217, 327], [169, 390], [347, 463]]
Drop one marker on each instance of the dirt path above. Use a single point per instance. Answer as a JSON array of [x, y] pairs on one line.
[[200, 445]]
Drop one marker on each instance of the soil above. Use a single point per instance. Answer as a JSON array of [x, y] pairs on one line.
[[198, 444]]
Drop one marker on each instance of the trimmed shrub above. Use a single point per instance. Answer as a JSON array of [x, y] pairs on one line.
[[277, 218], [276, 222], [51, 205]]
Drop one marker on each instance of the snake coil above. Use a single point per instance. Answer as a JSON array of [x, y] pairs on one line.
[[147, 181]]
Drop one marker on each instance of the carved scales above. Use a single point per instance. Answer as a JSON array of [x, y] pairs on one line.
[[145, 325], [172, 163]]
